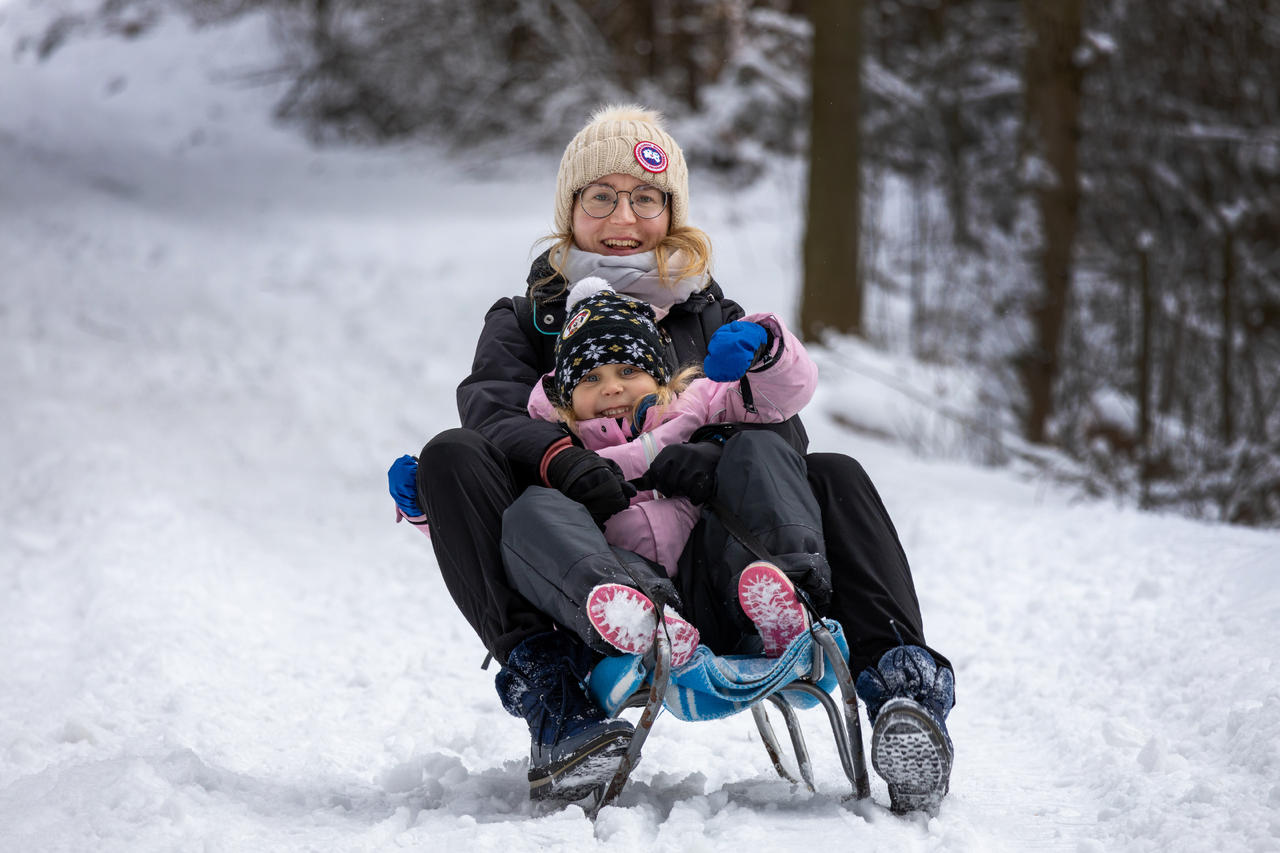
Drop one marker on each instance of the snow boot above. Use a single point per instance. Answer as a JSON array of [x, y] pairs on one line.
[[769, 599], [908, 697], [625, 618], [576, 747]]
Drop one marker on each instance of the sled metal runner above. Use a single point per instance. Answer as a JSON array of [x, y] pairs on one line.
[[842, 714]]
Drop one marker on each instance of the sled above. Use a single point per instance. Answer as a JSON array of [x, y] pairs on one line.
[[827, 661]]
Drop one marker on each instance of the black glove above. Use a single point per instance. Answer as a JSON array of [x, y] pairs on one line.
[[591, 480], [688, 470]]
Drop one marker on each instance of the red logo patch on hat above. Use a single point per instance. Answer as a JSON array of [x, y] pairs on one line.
[[576, 322], [650, 156]]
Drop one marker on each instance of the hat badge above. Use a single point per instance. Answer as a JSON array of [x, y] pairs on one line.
[[650, 156], [576, 322]]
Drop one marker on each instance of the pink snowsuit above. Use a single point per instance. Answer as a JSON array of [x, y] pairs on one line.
[[657, 527]]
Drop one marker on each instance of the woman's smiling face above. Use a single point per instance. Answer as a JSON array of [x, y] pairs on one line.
[[621, 232]]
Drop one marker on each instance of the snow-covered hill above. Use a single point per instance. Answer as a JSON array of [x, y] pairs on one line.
[[213, 341]]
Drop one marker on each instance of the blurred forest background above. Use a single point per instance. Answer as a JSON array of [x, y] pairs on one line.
[[1091, 189]]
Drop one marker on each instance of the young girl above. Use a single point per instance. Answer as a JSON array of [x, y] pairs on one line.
[[612, 389]]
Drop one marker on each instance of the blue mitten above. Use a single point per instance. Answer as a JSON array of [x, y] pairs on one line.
[[402, 478], [733, 349], [912, 673]]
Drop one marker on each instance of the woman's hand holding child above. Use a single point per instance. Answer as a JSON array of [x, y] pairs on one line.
[[686, 470], [591, 480]]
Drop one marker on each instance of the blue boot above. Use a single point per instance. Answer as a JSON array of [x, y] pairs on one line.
[[908, 697], [576, 747]]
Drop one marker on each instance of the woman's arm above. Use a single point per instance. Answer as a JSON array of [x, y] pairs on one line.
[[493, 399]]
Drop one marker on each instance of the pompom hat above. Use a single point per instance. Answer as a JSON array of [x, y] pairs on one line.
[[625, 139], [604, 327]]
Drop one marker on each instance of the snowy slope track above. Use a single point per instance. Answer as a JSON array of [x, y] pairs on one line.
[[213, 341]]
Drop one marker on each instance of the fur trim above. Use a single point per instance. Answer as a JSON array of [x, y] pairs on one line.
[[626, 112]]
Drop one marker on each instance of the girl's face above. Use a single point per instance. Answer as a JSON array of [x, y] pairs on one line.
[[611, 391], [621, 232]]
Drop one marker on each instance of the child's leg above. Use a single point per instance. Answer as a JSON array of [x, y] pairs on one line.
[[555, 555], [762, 481]]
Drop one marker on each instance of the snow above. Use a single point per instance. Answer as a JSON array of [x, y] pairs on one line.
[[213, 342], [624, 616]]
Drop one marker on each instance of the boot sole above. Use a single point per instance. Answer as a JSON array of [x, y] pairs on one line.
[[623, 617], [769, 599], [684, 638], [586, 773], [682, 634], [911, 754]]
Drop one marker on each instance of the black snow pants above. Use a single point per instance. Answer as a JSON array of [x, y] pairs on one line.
[[555, 554], [466, 484]]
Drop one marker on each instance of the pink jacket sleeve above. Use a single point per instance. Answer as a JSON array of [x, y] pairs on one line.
[[780, 390], [540, 407]]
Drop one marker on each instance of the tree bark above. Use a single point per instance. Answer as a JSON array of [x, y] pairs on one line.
[[832, 294], [1053, 84], [919, 242], [1146, 310], [1228, 333]]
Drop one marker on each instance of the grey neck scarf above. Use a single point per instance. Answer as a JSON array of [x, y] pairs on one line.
[[635, 275]]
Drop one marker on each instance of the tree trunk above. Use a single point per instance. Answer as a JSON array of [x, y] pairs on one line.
[[1053, 83], [919, 240], [1146, 310], [630, 29], [1228, 272], [832, 295], [1170, 376]]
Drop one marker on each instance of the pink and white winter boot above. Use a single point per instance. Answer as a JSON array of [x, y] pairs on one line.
[[625, 618], [769, 599]]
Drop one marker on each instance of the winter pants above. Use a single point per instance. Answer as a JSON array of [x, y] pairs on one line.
[[762, 482], [466, 484], [555, 554]]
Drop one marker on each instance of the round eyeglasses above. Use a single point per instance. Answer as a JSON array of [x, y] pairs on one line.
[[599, 200]]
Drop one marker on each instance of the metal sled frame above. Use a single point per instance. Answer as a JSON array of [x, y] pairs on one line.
[[843, 717]]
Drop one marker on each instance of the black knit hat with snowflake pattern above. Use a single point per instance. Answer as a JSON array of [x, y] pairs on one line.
[[605, 327]]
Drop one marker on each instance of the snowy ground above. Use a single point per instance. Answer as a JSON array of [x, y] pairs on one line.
[[214, 340]]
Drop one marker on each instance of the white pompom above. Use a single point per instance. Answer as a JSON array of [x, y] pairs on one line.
[[589, 286]]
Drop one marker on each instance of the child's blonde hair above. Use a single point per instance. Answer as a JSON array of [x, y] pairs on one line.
[[666, 395]]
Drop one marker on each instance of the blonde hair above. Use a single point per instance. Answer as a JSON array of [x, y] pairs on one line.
[[666, 394], [692, 242]]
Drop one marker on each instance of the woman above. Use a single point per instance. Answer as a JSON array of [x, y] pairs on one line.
[[621, 214]]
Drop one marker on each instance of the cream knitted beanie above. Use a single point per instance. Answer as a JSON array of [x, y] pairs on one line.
[[629, 140]]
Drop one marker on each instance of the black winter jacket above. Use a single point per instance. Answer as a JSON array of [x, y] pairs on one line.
[[512, 355]]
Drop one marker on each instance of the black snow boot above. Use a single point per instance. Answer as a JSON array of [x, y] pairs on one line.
[[908, 698], [576, 747]]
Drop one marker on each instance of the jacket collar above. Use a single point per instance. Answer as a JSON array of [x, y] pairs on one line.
[[598, 433], [552, 294]]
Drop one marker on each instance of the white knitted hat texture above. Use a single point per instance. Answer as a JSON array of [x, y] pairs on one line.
[[611, 143]]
